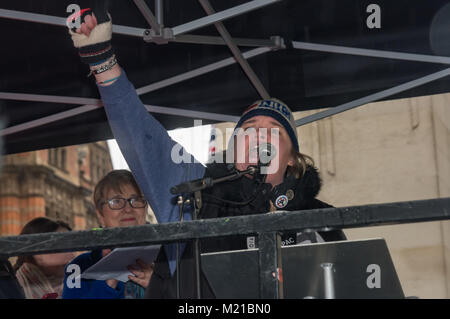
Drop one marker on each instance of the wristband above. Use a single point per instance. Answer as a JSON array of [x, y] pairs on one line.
[[105, 67], [108, 81], [96, 47]]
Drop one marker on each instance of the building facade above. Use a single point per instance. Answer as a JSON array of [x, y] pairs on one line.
[[56, 183]]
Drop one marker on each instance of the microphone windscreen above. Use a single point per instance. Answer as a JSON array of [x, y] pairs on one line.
[[267, 152]]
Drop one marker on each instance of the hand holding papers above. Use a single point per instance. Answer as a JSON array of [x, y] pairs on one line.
[[115, 265]]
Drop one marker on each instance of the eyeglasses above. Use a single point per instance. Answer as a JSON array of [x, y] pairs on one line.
[[119, 203]]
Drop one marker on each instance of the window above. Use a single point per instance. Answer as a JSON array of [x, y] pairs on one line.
[[57, 157], [52, 157], [63, 159]]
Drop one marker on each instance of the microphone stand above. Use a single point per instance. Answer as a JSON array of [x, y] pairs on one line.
[[197, 207], [180, 203], [195, 187], [202, 183]]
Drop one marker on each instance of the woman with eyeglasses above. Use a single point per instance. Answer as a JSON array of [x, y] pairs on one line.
[[119, 203]]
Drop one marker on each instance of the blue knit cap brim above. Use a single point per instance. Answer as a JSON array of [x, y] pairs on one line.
[[275, 115]]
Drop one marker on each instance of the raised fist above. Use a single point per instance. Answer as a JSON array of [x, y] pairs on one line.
[[93, 38]]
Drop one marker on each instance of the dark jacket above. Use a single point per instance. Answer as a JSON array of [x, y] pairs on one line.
[[244, 196], [9, 286]]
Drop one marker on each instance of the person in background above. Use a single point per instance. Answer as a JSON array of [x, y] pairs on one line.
[[41, 276], [9, 286], [119, 203]]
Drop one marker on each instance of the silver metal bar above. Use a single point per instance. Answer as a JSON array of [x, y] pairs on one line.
[[192, 114], [49, 98], [371, 53], [48, 119], [148, 14], [199, 71], [270, 266], [32, 17], [254, 79], [130, 31], [135, 32], [58, 21], [159, 10], [95, 105], [373, 97], [220, 16], [328, 280], [204, 39]]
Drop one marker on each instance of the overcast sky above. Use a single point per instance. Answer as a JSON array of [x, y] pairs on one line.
[[195, 140]]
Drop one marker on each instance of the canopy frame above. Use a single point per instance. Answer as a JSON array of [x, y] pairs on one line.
[[178, 34]]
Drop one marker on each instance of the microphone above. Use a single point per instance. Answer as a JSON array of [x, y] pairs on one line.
[[267, 153]]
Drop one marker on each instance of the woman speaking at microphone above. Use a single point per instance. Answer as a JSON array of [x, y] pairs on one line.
[[292, 182]]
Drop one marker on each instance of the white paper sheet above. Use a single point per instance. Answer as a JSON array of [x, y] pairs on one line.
[[115, 264]]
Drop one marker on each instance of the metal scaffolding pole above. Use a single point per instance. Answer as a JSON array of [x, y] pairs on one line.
[[373, 97], [370, 53], [220, 16], [159, 9], [93, 105], [58, 21], [148, 15], [274, 42], [199, 71], [237, 53]]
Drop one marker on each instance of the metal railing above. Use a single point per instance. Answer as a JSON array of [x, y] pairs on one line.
[[266, 226]]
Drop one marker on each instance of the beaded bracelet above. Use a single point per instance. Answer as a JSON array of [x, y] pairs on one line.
[[104, 67]]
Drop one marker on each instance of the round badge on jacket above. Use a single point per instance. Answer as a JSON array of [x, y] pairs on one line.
[[290, 194], [281, 201]]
